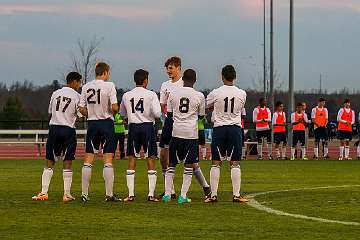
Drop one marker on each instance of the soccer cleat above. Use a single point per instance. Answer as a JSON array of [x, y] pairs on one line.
[[173, 196], [326, 157], [113, 198], [240, 199], [40, 197], [207, 191], [270, 157], [153, 199], [285, 158], [292, 158], [166, 198], [259, 157], [68, 198], [129, 199], [85, 197], [340, 158], [348, 158], [305, 158], [182, 200], [210, 199]]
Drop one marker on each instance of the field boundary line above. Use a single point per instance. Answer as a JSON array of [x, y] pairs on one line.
[[255, 204]]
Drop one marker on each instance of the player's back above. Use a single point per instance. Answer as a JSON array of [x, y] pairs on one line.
[[186, 104], [98, 96], [140, 105], [63, 107], [228, 102]]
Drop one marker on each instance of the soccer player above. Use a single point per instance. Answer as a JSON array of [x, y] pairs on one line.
[[243, 116], [262, 119], [319, 117], [61, 143], [202, 141], [345, 118], [99, 102], [185, 107], [119, 134], [226, 102], [358, 142], [142, 107], [173, 70], [299, 121], [279, 126]]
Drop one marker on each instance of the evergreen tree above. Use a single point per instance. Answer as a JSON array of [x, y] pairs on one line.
[[12, 114]]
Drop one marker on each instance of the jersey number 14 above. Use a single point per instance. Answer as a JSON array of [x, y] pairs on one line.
[[139, 106]]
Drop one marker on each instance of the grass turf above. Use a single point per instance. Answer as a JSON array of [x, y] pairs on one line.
[[22, 218]]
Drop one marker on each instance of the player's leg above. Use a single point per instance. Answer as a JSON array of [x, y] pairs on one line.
[[151, 154], [152, 178], [326, 144], [347, 145], [117, 139], [269, 143], [277, 142], [342, 145], [259, 149], [202, 144], [174, 146], [122, 145], [69, 156], [358, 148], [133, 152], [201, 179], [187, 177], [130, 179], [243, 149], [283, 147], [302, 137], [316, 143], [294, 144]]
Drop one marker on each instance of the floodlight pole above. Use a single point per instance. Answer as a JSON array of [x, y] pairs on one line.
[[291, 65], [264, 71], [272, 107]]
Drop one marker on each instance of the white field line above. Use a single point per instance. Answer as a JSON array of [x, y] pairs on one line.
[[255, 204]]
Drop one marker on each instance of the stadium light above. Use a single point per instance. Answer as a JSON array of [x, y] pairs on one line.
[[264, 70], [291, 63]]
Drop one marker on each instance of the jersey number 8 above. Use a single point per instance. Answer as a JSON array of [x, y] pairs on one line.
[[184, 105]]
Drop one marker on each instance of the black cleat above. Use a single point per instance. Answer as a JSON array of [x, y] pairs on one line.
[[113, 198], [173, 196]]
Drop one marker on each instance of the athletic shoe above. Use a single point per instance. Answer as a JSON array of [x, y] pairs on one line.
[[153, 199], [85, 197], [113, 198], [348, 158], [166, 198], [68, 198], [211, 199], [292, 158], [305, 158], [285, 158], [129, 199], [240, 199], [182, 200], [326, 157], [173, 196], [207, 190], [270, 157], [340, 158], [40, 197], [259, 157]]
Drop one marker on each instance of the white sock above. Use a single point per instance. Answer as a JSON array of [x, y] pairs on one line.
[[293, 152], [130, 181], [236, 179], [347, 151], [342, 151], [326, 150], [67, 177], [283, 151], [187, 176], [214, 179], [243, 152], [200, 177], [316, 151], [152, 182], [86, 176], [169, 180], [203, 150], [303, 152], [259, 149], [269, 149], [358, 150], [108, 174], [45, 179]]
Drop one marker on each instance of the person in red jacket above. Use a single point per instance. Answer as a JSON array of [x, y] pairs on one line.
[[299, 121], [345, 118], [279, 128]]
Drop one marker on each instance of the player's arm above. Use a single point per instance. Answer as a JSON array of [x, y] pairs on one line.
[[50, 105], [163, 98], [113, 99], [255, 113], [274, 118], [202, 107], [353, 118], [82, 105], [293, 122], [327, 117], [210, 101], [156, 107], [313, 115], [269, 116], [169, 108], [340, 112]]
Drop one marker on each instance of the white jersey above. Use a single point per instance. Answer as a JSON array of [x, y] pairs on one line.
[[140, 106], [340, 113], [167, 87], [228, 102], [186, 104], [63, 107], [98, 96]]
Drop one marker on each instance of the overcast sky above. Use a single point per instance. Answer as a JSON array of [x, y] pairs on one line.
[[38, 37]]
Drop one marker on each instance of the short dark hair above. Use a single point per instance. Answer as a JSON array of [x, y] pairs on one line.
[[229, 73], [73, 76], [299, 104], [347, 100], [278, 103], [176, 61], [322, 99], [140, 76], [101, 68], [261, 100], [189, 76]]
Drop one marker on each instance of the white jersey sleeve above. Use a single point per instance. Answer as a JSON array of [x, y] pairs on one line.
[[255, 113], [202, 105], [340, 113], [313, 113], [353, 117], [167, 87], [269, 114], [293, 117], [156, 109], [274, 119]]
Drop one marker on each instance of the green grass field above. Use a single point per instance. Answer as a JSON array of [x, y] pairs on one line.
[[22, 218]]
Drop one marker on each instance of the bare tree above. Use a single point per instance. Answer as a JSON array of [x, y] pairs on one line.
[[84, 61]]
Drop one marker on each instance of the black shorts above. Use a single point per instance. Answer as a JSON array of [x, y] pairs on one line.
[[298, 137], [321, 133], [263, 134], [100, 136], [166, 133], [344, 135], [202, 137], [61, 141], [183, 151], [226, 143], [280, 137], [141, 135]]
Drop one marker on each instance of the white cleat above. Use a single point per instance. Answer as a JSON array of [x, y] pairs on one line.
[[68, 198]]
